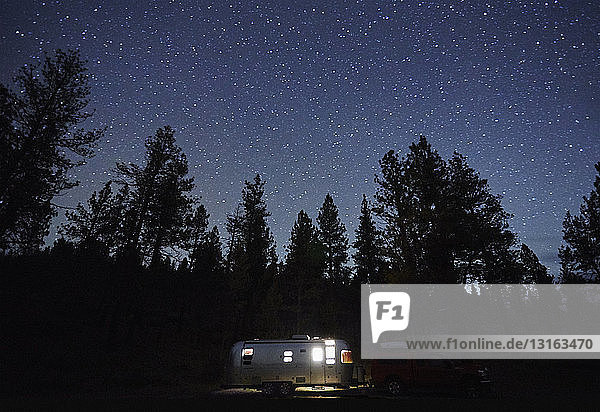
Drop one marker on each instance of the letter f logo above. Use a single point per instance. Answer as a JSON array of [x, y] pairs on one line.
[[388, 311]]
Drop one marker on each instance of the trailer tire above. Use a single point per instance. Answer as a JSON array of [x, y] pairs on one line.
[[286, 389], [395, 386], [471, 388], [270, 389]]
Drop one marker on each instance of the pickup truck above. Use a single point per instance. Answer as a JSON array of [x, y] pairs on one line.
[[401, 376]]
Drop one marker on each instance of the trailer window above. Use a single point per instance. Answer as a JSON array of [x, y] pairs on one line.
[[247, 353], [317, 354], [330, 352], [287, 356], [346, 356]]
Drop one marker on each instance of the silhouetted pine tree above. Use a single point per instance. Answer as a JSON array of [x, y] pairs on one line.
[[38, 135], [302, 280], [210, 297], [235, 249], [478, 233], [197, 230], [258, 240], [410, 200], [369, 263], [160, 198], [580, 255], [535, 272], [251, 260], [94, 227], [332, 234], [442, 223]]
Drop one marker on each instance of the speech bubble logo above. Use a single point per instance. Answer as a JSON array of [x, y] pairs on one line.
[[389, 311]]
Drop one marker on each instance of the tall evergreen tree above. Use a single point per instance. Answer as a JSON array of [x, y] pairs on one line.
[[535, 272], [478, 230], [160, 199], [580, 253], [209, 252], [410, 199], [442, 223], [94, 227], [258, 240], [197, 227], [39, 133], [235, 242], [210, 298], [250, 256], [332, 234], [303, 277], [369, 264]]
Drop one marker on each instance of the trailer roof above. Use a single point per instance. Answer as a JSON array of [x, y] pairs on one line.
[[288, 340]]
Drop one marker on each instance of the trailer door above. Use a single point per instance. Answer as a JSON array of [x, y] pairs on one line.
[[302, 358], [317, 363]]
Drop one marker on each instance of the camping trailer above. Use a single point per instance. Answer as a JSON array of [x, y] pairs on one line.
[[283, 365]]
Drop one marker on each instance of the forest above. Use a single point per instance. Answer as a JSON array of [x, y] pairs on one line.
[[139, 289]]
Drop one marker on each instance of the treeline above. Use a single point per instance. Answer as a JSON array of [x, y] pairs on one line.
[[139, 270]]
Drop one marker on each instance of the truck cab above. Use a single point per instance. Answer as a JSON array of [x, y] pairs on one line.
[[402, 376]]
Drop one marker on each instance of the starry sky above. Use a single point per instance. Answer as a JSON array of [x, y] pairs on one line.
[[312, 94]]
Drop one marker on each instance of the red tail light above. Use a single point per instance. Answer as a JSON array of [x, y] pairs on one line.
[[346, 356]]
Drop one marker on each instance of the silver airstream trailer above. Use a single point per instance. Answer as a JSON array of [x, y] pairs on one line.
[[280, 366]]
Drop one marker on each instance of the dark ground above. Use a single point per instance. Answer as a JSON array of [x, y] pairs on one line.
[[522, 384]]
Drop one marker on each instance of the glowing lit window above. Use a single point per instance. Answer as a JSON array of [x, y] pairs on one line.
[[247, 355], [329, 342], [330, 352], [330, 361], [288, 353], [287, 359], [317, 354], [346, 356]]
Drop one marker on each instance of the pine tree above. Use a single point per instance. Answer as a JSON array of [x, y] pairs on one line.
[[580, 255], [94, 227], [410, 199], [332, 234], [534, 271], [258, 239], [368, 258], [235, 243], [303, 281], [39, 134], [478, 230], [197, 225], [160, 199], [210, 298], [250, 258], [207, 255], [442, 223]]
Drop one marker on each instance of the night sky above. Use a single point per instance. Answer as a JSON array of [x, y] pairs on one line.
[[311, 95]]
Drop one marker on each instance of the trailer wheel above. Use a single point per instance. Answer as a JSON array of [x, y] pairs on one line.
[[286, 389], [395, 386], [471, 388], [270, 388]]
